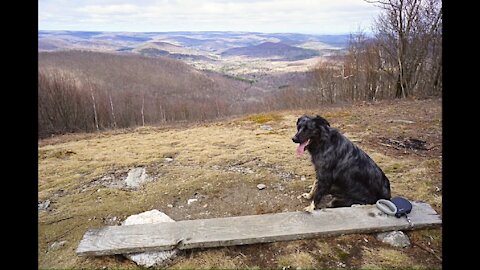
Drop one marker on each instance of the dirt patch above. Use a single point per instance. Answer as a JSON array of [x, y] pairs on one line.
[[217, 166], [406, 143]]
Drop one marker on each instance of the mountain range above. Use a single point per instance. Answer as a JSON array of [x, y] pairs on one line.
[[212, 45]]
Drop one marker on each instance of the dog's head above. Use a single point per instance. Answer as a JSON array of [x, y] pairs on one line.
[[308, 128]]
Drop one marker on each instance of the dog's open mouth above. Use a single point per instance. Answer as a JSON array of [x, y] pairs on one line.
[[301, 147]]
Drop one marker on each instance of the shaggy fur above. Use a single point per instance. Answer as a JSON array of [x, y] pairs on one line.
[[342, 169]]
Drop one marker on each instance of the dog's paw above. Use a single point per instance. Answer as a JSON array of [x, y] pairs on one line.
[[309, 208], [307, 196]]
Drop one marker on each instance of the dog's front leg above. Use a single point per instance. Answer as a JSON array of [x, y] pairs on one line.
[[323, 185], [309, 195]]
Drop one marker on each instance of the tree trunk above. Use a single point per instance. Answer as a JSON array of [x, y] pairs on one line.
[[94, 108], [143, 107], [113, 112]]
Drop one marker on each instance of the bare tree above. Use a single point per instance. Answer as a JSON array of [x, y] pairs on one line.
[[113, 111], [406, 30], [143, 109], [95, 117]]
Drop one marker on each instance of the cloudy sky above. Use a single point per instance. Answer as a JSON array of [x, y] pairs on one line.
[[270, 16]]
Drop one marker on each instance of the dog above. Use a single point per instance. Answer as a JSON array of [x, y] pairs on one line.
[[342, 169]]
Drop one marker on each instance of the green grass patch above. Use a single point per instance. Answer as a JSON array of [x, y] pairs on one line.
[[263, 118]]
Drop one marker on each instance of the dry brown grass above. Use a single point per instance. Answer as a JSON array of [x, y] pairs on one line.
[[213, 259], [381, 258], [297, 260], [211, 160]]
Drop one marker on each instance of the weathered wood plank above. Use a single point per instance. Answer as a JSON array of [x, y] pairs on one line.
[[243, 230]]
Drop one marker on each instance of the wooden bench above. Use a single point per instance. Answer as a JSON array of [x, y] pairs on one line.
[[243, 230]]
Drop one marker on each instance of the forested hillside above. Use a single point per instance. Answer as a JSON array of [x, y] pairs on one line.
[[85, 91]]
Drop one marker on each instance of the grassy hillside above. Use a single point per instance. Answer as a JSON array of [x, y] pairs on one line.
[[220, 164]]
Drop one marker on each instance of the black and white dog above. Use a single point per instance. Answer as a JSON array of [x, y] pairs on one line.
[[342, 169]]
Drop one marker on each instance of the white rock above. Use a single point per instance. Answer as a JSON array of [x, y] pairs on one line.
[[261, 186], [43, 205], [266, 127], [167, 159], [154, 258], [394, 238], [136, 177], [190, 201], [303, 178], [152, 216], [57, 245]]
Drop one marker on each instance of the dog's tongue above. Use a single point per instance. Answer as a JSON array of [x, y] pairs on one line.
[[301, 147]]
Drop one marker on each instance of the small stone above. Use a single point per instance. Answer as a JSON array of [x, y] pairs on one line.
[[190, 201], [57, 245], [261, 186], [394, 238], [303, 178], [205, 206], [168, 159], [43, 205], [266, 127], [169, 205]]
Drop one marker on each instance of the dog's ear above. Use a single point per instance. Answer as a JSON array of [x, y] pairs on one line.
[[301, 118], [320, 121]]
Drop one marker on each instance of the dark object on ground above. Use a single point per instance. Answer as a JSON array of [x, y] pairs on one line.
[[407, 143]]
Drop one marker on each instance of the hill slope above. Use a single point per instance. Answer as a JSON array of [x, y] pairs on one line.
[[159, 75], [138, 88]]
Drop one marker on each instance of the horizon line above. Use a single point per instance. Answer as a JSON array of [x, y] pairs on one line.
[[191, 31]]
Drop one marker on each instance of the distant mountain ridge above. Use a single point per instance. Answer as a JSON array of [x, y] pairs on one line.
[[208, 42], [273, 49]]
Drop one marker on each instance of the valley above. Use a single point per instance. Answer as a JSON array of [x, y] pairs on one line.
[[253, 57]]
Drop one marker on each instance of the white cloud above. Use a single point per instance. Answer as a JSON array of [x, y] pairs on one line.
[[109, 9], [307, 16]]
